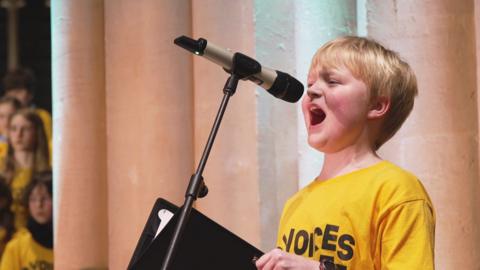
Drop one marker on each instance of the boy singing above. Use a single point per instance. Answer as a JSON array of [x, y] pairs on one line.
[[360, 212]]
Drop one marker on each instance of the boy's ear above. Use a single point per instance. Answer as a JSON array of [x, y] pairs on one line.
[[379, 108]]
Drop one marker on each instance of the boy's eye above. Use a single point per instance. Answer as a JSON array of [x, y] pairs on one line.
[[333, 82]]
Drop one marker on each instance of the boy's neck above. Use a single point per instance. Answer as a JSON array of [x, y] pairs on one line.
[[348, 160]]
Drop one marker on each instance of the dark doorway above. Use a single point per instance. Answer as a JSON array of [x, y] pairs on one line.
[[34, 46]]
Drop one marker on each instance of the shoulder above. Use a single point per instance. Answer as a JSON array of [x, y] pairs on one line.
[[44, 115], [22, 252], [3, 149], [396, 186], [399, 180], [42, 112], [20, 236], [300, 194], [19, 240]]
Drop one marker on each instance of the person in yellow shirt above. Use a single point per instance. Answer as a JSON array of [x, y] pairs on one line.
[[32, 249], [20, 84], [7, 228], [27, 154], [8, 105], [360, 212]]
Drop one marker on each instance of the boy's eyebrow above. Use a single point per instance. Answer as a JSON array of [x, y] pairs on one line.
[[323, 70]]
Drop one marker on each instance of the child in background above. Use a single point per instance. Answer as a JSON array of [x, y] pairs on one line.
[[20, 84], [33, 248], [7, 227], [27, 154], [8, 105], [360, 212]]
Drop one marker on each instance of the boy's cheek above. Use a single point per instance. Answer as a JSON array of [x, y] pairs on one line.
[[343, 108], [305, 109], [305, 101]]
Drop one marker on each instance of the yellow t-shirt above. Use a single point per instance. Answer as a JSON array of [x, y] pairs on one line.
[[3, 235], [378, 217], [22, 178], [24, 253], [3, 149]]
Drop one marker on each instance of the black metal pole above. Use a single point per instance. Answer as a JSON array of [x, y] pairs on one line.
[[196, 181]]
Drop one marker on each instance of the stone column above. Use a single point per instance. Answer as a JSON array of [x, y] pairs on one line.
[[439, 140], [149, 114], [79, 151], [275, 46], [477, 35], [231, 173]]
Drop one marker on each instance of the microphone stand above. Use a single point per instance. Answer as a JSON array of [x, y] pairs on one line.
[[242, 67]]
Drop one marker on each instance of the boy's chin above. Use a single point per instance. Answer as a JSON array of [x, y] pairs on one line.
[[317, 143], [323, 146]]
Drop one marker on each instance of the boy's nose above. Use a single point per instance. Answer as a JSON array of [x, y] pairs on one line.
[[316, 90], [314, 94]]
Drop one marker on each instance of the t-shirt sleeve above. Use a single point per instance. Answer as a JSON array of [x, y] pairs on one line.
[[407, 237], [10, 258]]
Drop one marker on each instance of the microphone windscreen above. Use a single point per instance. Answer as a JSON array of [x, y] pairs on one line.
[[286, 87]]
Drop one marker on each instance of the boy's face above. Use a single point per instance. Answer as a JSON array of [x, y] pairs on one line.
[[21, 94], [6, 110], [40, 204], [335, 109]]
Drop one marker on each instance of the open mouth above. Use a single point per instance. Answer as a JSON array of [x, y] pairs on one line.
[[317, 116]]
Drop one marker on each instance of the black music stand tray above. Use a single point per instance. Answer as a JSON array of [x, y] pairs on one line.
[[205, 244]]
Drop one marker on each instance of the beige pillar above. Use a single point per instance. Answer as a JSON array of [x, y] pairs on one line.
[[275, 46], [149, 114], [231, 173], [79, 151], [439, 141], [477, 35]]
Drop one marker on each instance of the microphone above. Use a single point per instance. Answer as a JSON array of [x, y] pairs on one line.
[[277, 83]]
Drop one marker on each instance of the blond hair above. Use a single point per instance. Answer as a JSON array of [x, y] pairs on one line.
[[382, 70]]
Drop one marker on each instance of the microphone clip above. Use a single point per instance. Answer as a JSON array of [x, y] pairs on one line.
[[242, 68]]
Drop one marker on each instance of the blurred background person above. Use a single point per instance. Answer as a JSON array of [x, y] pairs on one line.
[[7, 228], [8, 106], [20, 84], [32, 248], [27, 154]]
